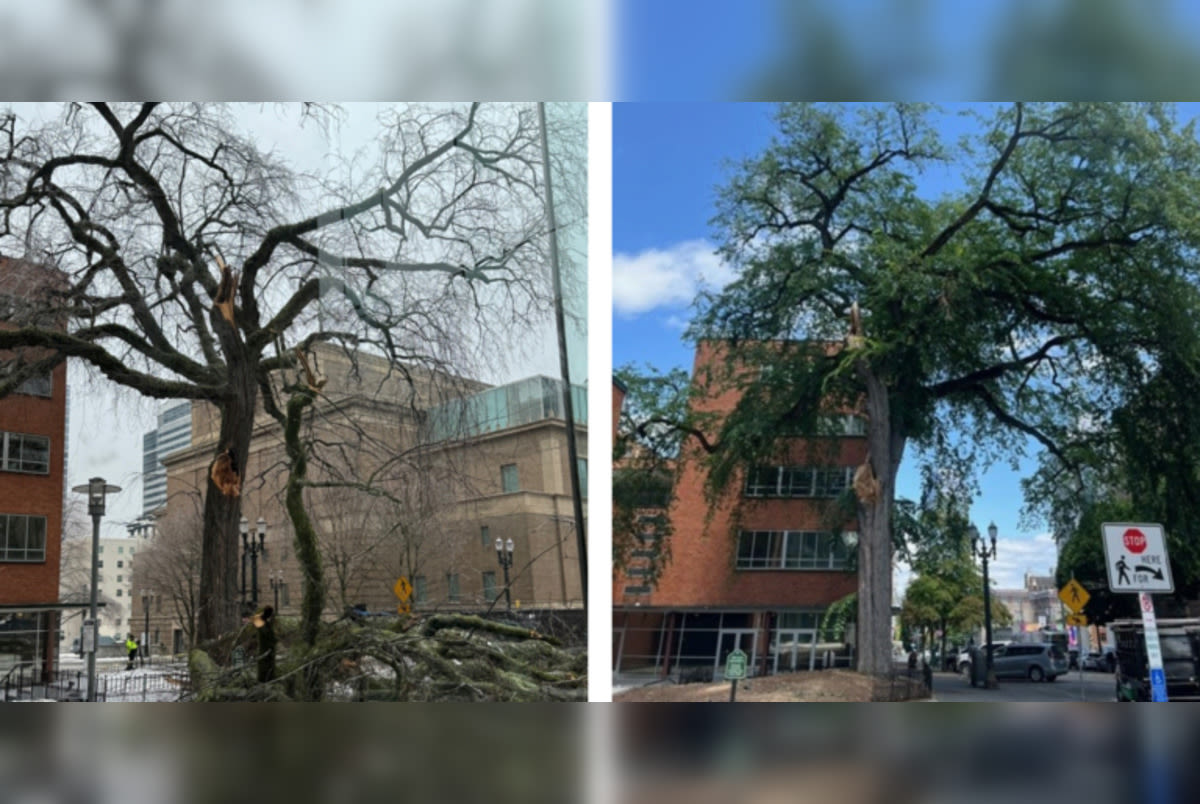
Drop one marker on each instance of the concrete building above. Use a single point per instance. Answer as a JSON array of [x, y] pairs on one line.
[[459, 465], [755, 571], [174, 432], [1035, 608], [32, 472]]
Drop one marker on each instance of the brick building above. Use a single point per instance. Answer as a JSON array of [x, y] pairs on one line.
[[32, 476], [756, 570]]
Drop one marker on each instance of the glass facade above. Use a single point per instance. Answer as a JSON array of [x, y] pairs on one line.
[[523, 402]]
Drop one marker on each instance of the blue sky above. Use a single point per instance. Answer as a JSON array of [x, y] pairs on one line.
[[668, 160]]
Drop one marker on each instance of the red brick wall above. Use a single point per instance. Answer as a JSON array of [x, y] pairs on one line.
[[40, 495], [701, 571]]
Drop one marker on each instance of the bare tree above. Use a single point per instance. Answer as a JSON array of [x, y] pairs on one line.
[[142, 205], [170, 566]]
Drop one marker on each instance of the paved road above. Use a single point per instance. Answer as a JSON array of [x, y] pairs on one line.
[[954, 688]]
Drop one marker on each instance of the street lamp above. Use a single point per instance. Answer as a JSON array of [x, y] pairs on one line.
[[95, 489], [980, 547], [147, 596], [276, 585], [253, 548], [504, 554]]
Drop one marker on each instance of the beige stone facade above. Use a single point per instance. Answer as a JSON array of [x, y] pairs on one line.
[[449, 490]]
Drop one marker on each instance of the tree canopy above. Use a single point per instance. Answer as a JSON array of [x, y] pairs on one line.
[[1013, 286]]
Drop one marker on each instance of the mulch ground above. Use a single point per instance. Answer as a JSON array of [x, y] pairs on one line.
[[828, 686]]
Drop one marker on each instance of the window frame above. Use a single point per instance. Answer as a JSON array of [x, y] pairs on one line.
[[504, 477], [7, 531], [8, 465], [791, 551]]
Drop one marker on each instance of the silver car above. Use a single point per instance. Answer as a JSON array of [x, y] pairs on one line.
[[1037, 661]]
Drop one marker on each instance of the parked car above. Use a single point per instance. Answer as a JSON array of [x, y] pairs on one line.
[[964, 656], [1037, 661], [1097, 661]]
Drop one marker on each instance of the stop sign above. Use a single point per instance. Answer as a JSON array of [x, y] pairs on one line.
[[1135, 540]]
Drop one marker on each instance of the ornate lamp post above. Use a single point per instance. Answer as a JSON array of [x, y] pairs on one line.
[[96, 490], [252, 548], [504, 554], [980, 548], [276, 585], [147, 596]]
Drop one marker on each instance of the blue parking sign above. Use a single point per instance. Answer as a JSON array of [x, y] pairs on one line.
[[1158, 685]]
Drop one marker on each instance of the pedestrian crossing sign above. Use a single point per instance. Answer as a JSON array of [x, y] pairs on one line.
[[1074, 596]]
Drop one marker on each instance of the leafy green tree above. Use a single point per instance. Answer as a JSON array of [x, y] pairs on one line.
[[1025, 297]]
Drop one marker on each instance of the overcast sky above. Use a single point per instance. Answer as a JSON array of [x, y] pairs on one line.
[[106, 422]]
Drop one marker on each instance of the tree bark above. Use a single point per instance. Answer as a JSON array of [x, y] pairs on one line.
[[308, 552], [886, 447], [218, 612]]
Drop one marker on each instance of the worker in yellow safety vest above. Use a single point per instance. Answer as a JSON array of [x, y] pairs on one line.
[[131, 645]]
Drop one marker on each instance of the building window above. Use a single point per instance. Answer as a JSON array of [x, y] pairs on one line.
[[485, 536], [452, 593], [581, 463], [792, 550], [842, 424], [100, 563], [285, 596], [22, 538], [120, 593], [37, 386], [159, 598], [25, 453], [120, 565], [121, 550], [508, 478], [420, 591], [119, 578], [489, 587], [798, 481]]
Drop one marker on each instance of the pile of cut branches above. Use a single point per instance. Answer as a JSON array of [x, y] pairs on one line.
[[442, 657]]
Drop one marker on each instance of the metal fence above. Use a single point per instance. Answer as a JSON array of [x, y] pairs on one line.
[[26, 682]]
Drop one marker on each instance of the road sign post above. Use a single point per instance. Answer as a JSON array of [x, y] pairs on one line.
[[735, 670], [1158, 676]]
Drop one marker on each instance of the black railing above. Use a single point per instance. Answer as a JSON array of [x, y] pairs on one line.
[[25, 682]]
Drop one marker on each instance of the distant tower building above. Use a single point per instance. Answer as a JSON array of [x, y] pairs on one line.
[[174, 432]]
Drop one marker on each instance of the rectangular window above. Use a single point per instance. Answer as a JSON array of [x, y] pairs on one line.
[[508, 478], [119, 579], [100, 563], [25, 453], [22, 538], [581, 463], [420, 591], [797, 481], [160, 604], [792, 550], [485, 536], [121, 550], [120, 565], [489, 587], [285, 596], [120, 593], [452, 593], [37, 386]]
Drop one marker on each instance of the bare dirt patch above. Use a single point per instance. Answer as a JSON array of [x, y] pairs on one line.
[[828, 686]]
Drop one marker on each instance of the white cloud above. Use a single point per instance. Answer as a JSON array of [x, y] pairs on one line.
[[666, 277], [1015, 557]]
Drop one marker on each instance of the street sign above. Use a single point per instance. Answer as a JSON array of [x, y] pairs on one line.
[[1074, 596], [402, 589], [88, 643], [1158, 678], [735, 665], [1077, 620], [1136, 555]]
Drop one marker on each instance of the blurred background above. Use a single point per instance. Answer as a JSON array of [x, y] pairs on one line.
[[602, 49]]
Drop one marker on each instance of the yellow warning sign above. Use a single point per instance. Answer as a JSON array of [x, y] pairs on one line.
[[1074, 596], [403, 589], [1076, 619]]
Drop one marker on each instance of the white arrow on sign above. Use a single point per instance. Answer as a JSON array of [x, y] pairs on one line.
[[1136, 555]]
